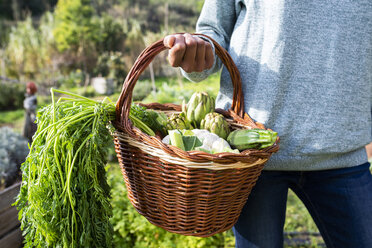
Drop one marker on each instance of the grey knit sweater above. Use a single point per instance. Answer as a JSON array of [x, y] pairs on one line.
[[306, 69]]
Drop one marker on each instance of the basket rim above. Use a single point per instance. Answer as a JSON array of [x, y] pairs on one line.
[[247, 156], [166, 157]]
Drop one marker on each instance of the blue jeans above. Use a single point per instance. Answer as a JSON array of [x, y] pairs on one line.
[[339, 201]]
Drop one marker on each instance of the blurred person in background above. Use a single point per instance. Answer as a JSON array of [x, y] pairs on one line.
[[30, 104]]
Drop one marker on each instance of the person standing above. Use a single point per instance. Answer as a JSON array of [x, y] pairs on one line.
[[30, 105], [306, 69]]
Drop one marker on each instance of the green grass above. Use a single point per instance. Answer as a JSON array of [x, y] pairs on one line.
[[298, 219], [211, 85], [174, 91], [13, 119], [10, 116]]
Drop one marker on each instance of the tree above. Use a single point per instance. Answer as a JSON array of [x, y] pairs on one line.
[[76, 32], [30, 50], [75, 28]]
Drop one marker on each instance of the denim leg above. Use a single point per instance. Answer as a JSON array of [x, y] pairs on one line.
[[340, 202], [262, 219]]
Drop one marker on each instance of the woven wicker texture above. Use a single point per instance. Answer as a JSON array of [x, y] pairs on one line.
[[186, 192]]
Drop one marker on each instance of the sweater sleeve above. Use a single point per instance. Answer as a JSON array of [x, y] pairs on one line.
[[217, 20]]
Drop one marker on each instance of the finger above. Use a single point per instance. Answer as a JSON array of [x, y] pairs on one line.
[[209, 56], [188, 62], [200, 55], [176, 53], [169, 41]]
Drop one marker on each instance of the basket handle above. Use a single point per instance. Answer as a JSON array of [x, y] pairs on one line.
[[144, 59]]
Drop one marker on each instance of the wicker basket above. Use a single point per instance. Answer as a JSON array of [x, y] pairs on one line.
[[189, 193]]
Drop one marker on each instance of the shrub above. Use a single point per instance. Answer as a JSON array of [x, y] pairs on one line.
[[112, 32], [30, 49], [11, 96], [74, 28], [74, 79], [13, 152], [111, 65], [141, 90], [174, 90], [168, 94]]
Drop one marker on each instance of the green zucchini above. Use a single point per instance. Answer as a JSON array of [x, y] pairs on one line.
[[251, 138]]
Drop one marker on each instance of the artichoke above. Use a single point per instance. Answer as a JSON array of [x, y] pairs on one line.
[[216, 123], [199, 105], [178, 121]]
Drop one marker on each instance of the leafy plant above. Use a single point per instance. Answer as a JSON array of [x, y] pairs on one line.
[[74, 79], [172, 90], [168, 94], [64, 197], [11, 96], [29, 51], [141, 90], [111, 65], [112, 32], [13, 152]]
